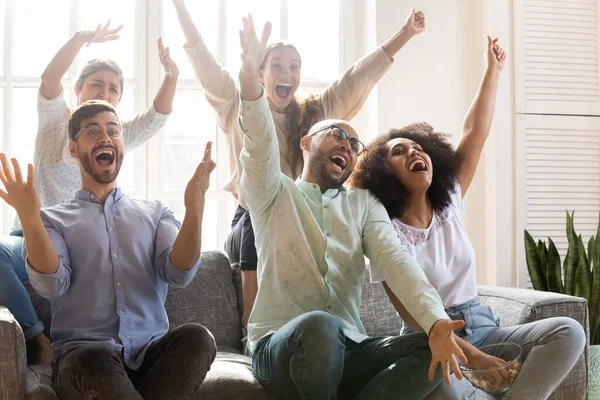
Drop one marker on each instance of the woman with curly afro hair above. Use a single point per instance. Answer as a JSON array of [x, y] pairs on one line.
[[421, 180]]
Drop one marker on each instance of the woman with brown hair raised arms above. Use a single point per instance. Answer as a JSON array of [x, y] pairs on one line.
[[293, 116]]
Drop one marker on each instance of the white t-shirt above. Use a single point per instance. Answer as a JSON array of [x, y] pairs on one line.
[[444, 251], [57, 174]]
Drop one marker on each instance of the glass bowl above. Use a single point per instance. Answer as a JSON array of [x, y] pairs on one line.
[[496, 380]]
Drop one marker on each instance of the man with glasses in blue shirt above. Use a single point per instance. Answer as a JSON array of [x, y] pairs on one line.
[[312, 235], [105, 261]]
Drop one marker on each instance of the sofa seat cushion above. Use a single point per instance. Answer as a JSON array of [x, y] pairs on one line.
[[39, 383], [230, 378]]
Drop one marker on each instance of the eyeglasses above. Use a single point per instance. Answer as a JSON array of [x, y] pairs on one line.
[[341, 135], [94, 132]]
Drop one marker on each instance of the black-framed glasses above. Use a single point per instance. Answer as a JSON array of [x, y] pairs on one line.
[[340, 135]]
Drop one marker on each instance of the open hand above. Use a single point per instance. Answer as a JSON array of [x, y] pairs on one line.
[[253, 49], [415, 22], [19, 194], [496, 56], [444, 349], [101, 34], [195, 191], [170, 67]]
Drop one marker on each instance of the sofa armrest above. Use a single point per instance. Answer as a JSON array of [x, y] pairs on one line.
[[13, 357], [515, 306]]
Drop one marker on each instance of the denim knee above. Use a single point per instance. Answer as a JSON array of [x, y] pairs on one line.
[[319, 331], [571, 332], [199, 343]]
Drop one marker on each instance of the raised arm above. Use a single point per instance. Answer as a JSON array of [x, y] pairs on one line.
[[477, 123], [146, 124], [192, 36], [219, 87], [345, 97], [51, 273], [163, 101], [261, 176], [61, 62], [188, 244]]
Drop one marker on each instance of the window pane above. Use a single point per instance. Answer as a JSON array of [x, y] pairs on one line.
[[262, 11], [319, 62], [40, 28], [190, 126], [209, 219], [94, 12], [24, 124], [206, 17]]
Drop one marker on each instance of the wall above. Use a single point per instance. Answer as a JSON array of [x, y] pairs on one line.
[[434, 79]]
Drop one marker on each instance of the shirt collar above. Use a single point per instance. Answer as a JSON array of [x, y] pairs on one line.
[[313, 188], [85, 195]]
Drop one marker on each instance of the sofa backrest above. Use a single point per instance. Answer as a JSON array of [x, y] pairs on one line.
[[210, 299], [214, 299]]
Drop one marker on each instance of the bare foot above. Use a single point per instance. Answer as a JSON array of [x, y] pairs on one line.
[[40, 350]]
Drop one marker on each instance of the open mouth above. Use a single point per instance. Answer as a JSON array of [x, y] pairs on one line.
[[105, 157], [339, 163], [418, 165], [283, 90]]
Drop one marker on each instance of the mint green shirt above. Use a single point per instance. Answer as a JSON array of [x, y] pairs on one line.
[[312, 246]]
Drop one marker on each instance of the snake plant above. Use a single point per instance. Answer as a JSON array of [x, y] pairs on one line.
[[578, 275]]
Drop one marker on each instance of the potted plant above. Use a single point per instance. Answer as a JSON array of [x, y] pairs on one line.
[[578, 275]]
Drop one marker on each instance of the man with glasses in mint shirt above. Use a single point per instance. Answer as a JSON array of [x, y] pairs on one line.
[[105, 260], [312, 235]]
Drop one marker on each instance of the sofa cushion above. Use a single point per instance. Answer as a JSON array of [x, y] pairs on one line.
[[230, 377], [39, 383], [376, 311], [210, 300]]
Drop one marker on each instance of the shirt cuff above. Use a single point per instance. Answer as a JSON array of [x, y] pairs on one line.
[[58, 100], [382, 56], [252, 111], [179, 277], [434, 315], [61, 273], [157, 115]]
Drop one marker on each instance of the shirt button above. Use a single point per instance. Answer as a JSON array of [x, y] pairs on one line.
[[118, 283], [115, 255], [121, 312], [329, 307], [111, 229], [327, 234], [326, 206]]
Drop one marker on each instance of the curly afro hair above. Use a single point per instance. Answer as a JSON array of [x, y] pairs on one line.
[[373, 172]]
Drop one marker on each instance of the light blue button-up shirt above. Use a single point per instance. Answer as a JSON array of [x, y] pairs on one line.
[[312, 246], [111, 283]]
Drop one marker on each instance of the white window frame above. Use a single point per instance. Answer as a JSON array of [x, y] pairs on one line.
[[148, 75]]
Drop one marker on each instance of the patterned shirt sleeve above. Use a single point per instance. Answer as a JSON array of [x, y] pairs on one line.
[[142, 128]]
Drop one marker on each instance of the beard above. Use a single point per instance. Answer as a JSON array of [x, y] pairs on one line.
[[317, 166], [103, 177]]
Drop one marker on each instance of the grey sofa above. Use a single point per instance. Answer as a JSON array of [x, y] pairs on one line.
[[214, 300]]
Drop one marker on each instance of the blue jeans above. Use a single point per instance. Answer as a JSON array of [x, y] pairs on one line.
[[310, 357], [551, 347], [13, 294]]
